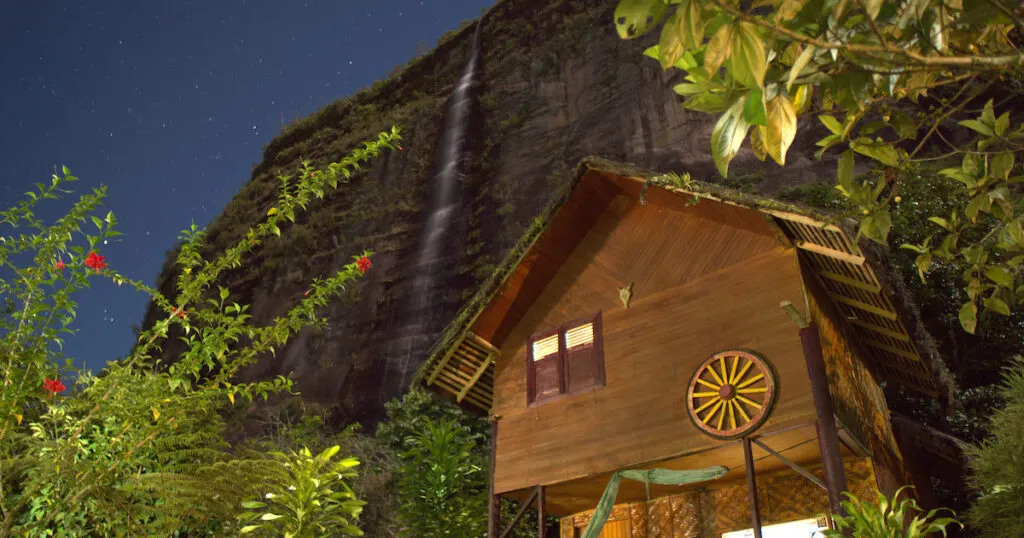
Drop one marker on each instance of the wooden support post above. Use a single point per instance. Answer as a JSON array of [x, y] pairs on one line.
[[493, 501], [519, 515], [755, 510], [828, 436], [541, 512]]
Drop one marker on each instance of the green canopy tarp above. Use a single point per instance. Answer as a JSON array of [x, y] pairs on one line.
[[647, 476]]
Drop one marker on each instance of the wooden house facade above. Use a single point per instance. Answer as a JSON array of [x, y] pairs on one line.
[[651, 322]]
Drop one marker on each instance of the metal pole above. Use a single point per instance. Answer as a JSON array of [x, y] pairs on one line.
[[755, 510], [493, 501], [541, 512], [828, 436]]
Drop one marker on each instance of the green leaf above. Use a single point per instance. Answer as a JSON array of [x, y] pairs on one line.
[[977, 126], [781, 129], [754, 108], [728, 135], [671, 46], [687, 89], [711, 103], [876, 226], [1000, 275], [748, 61], [798, 65], [633, 18], [1002, 124], [691, 23], [882, 152], [940, 221], [844, 173], [969, 317], [96, 220], [997, 305], [757, 143], [1001, 164], [248, 528], [718, 50], [831, 123]]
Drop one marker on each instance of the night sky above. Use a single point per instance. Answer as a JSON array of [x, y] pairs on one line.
[[169, 104]]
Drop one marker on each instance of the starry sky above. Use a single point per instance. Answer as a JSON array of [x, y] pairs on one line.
[[170, 103]]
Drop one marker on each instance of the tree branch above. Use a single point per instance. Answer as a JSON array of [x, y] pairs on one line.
[[970, 62]]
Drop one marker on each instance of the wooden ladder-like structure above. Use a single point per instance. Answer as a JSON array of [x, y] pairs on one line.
[[466, 371]]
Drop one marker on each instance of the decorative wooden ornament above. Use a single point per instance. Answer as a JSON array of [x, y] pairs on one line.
[[731, 394], [625, 294]]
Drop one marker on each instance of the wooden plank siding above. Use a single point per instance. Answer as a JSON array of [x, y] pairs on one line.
[[698, 287]]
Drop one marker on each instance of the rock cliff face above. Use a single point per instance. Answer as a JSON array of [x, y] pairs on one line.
[[557, 84]]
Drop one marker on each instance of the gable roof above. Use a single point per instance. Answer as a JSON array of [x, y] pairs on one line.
[[859, 279]]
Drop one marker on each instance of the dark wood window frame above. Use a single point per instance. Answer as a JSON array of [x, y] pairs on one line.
[[563, 372]]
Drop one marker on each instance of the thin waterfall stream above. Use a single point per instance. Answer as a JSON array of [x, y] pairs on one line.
[[446, 203], [424, 307]]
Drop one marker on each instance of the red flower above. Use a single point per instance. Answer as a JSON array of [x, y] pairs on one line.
[[399, 147], [180, 313], [307, 293], [59, 265], [53, 386], [95, 261], [363, 264]]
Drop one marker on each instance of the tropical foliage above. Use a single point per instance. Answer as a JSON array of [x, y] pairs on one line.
[[893, 83], [139, 449], [889, 518], [996, 469]]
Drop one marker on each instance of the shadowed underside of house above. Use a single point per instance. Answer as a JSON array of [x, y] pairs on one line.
[[586, 345]]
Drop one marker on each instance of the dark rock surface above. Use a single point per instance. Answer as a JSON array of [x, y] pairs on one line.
[[557, 84]]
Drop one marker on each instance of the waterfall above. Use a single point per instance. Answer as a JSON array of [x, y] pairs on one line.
[[423, 311], [446, 204]]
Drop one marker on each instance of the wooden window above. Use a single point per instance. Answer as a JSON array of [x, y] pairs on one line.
[[567, 360]]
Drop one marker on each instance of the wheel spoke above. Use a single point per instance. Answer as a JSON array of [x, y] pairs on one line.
[[743, 371], [721, 419], [721, 360], [752, 390], [708, 384], [711, 369], [732, 413], [705, 394], [703, 407], [748, 401], [750, 381], [732, 374], [707, 417], [746, 417]]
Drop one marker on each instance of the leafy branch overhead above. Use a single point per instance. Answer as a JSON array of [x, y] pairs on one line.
[[919, 89]]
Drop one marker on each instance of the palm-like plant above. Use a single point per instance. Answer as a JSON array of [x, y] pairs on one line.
[[888, 518]]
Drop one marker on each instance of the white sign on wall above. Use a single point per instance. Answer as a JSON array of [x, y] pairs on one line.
[[805, 528]]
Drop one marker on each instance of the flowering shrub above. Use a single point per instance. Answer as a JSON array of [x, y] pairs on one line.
[[139, 449]]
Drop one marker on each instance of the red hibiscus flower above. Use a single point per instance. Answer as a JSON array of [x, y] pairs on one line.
[[59, 265], [95, 261], [53, 386], [180, 313], [363, 264]]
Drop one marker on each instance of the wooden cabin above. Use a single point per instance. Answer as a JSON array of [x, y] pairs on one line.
[[653, 322]]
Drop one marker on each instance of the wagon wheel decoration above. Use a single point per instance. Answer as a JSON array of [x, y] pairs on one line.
[[731, 394]]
